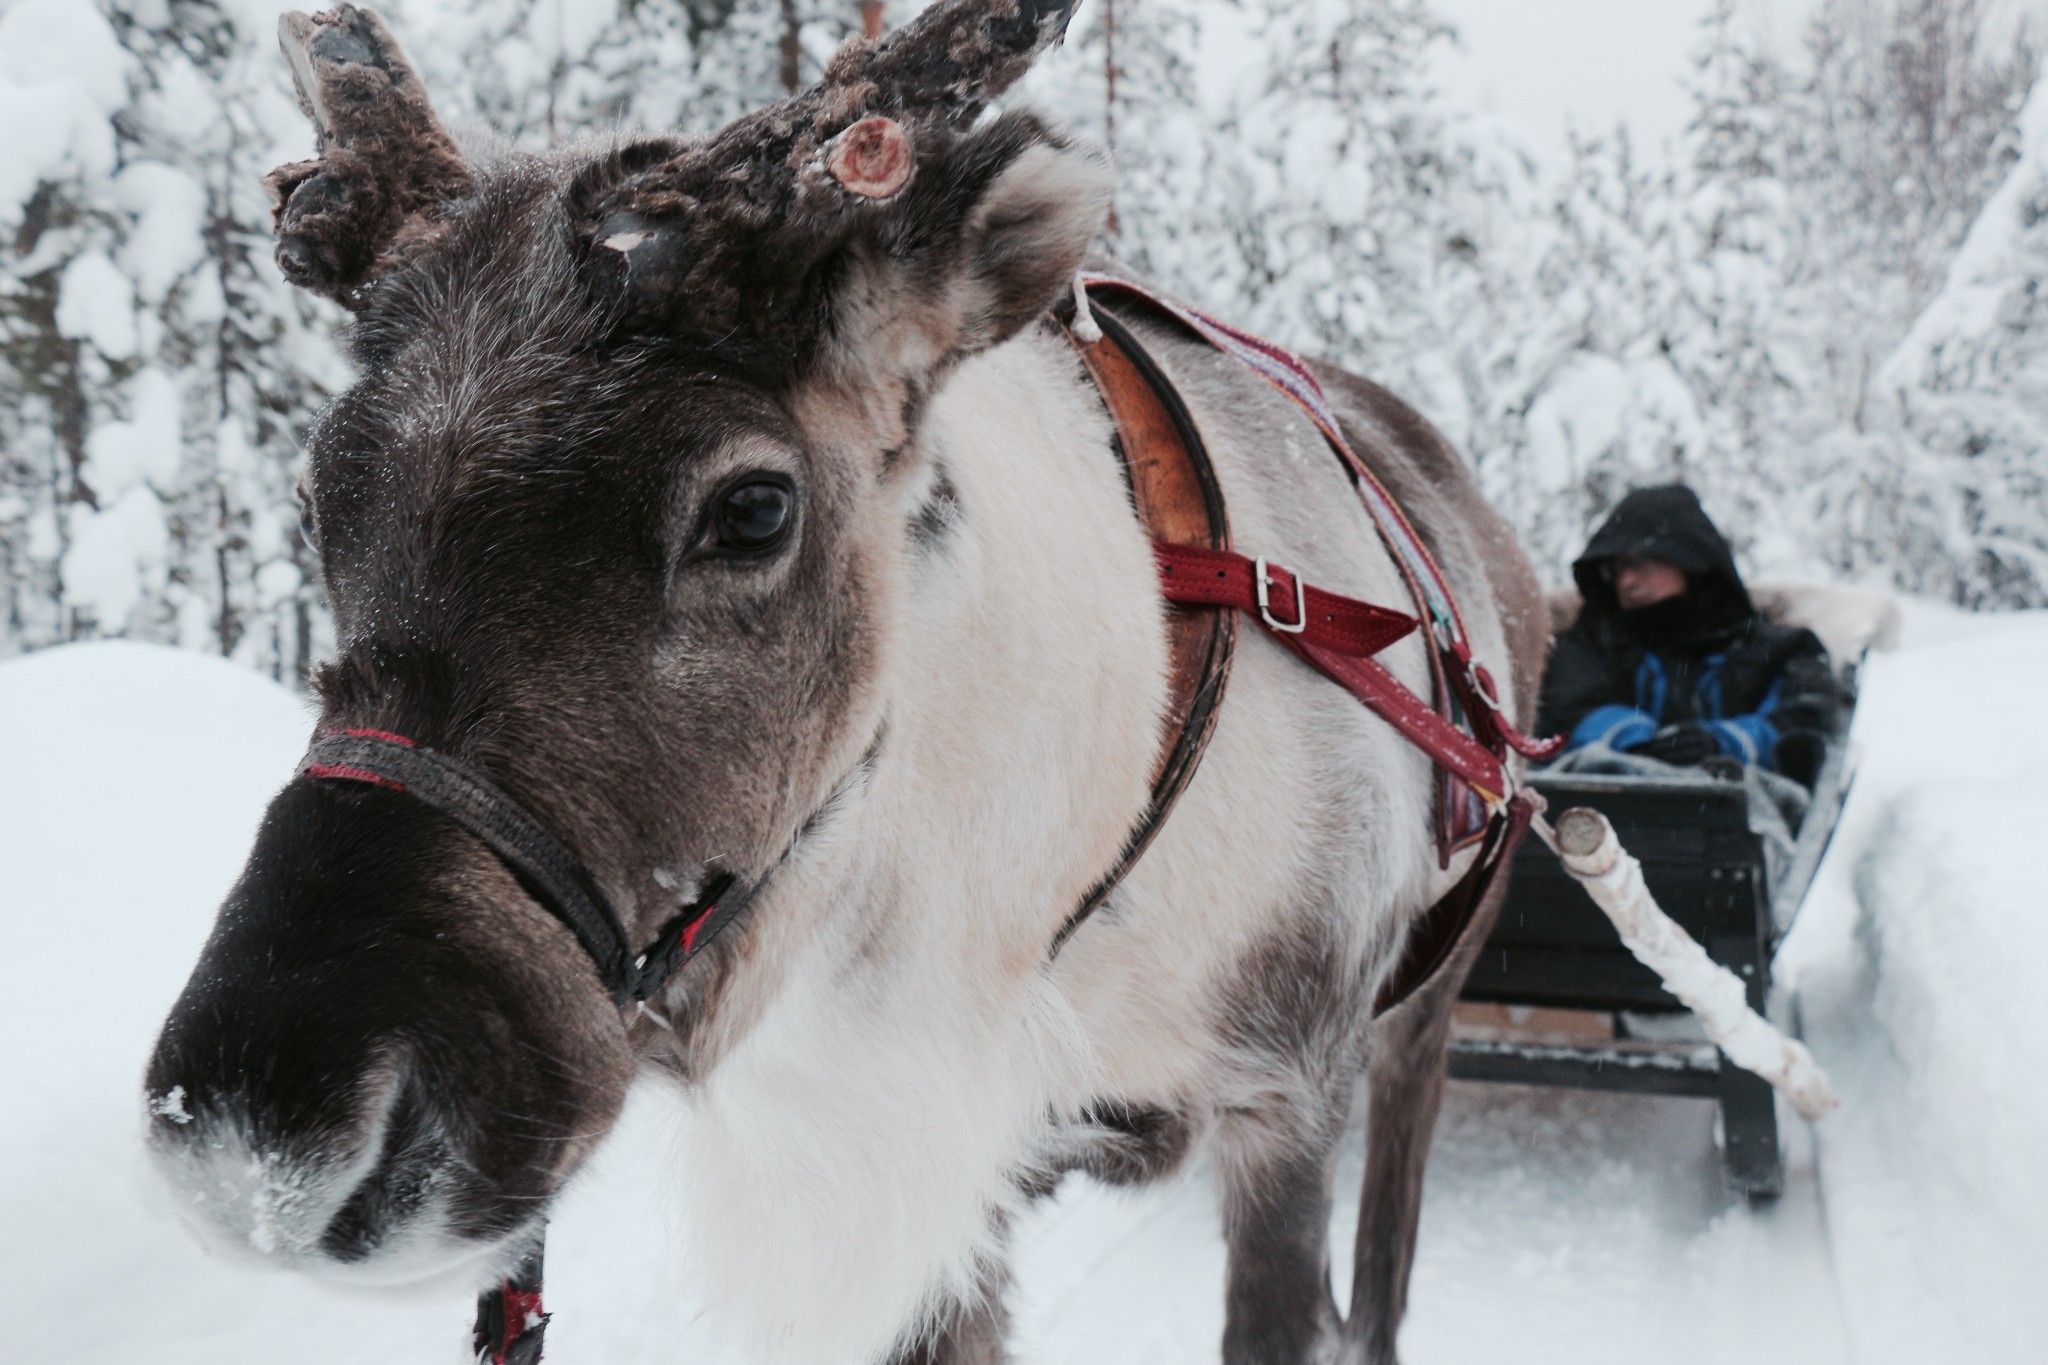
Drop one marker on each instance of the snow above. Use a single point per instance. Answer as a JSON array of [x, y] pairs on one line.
[[1558, 1226], [112, 554], [142, 449], [1980, 276], [1580, 415], [168, 240], [1919, 964], [62, 76], [96, 303]]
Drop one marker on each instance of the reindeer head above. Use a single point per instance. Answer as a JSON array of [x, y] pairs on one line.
[[617, 513]]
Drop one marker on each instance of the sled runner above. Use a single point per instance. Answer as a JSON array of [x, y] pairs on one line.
[[1708, 857]]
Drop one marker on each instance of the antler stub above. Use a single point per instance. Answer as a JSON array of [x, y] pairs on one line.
[[386, 167], [871, 159]]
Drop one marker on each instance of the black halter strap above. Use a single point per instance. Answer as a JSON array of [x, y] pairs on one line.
[[543, 863], [510, 1322]]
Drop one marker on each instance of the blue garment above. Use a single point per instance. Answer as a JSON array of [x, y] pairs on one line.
[[1751, 738], [1618, 727]]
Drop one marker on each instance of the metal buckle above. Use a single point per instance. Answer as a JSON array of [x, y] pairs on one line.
[[1262, 578]]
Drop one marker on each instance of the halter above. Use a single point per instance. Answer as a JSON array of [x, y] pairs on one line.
[[510, 1323], [551, 873]]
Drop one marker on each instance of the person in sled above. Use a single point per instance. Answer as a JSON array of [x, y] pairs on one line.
[[1669, 659]]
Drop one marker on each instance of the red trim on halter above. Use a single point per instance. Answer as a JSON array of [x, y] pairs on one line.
[[343, 773], [382, 734], [690, 930], [522, 1312]]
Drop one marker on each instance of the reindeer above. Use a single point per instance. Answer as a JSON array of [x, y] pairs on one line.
[[727, 502]]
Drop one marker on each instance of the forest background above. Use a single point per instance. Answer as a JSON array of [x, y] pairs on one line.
[[1825, 305]]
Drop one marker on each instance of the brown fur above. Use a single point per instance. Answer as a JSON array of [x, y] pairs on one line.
[[386, 171]]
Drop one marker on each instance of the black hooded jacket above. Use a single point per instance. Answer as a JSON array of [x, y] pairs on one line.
[[1763, 692]]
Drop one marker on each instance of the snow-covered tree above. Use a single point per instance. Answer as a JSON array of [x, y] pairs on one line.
[[163, 369], [63, 77], [1789, 316], [1740, 306], [1970, 384]]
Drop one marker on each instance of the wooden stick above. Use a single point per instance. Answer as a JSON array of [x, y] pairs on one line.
[[1585, 843]]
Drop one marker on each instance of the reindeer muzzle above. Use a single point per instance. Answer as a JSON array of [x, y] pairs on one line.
[[543, 863]]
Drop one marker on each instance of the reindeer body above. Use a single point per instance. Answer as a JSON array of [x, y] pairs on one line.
[[918, 725]]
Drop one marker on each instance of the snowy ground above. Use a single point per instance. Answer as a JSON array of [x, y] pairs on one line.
[[1559, 1226]]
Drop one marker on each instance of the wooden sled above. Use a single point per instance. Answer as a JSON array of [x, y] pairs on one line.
[[1553, 949]]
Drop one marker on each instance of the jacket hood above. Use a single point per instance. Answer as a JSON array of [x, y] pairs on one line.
[[1666, 523]]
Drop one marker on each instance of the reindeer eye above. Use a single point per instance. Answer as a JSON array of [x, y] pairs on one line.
[[754, 516]]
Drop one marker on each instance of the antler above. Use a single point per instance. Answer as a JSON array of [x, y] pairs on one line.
[[942, 68], [386, 168], [955, 57], [757, 202]]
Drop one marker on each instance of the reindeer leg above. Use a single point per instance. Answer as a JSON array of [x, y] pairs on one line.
[[1276, 1222], [966, 1332], [1405, 1077], [1294, 1032]]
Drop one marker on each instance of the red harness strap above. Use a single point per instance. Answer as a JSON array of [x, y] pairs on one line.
[[1196, 576], [1468, 739], [1338, 636], [1469, 736]]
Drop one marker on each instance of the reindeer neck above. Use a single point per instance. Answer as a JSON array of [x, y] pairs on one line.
[[1033, 670]]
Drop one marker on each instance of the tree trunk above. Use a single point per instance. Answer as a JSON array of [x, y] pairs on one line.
[[792, 48]]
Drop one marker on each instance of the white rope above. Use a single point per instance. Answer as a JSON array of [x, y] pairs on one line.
[[1584, 842]]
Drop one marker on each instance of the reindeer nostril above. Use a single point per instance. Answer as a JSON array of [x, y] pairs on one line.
[[406, 1153]]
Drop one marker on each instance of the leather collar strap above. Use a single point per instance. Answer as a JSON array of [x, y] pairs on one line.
[[1179, 503], [511, 1325], [1334, 634], [543, 863], [1466, 732]]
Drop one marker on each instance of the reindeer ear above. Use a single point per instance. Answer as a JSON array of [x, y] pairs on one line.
[[983, 240], [1028, 233], [386, 170]]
